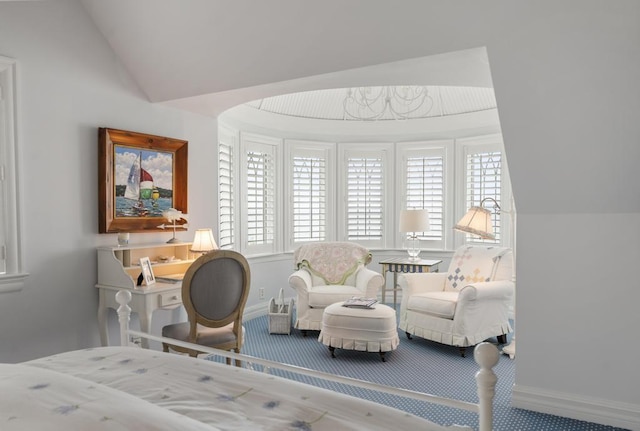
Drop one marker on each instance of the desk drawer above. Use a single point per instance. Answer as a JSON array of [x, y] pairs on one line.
[[169, 298]]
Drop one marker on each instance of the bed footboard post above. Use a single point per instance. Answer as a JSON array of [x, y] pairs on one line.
[[486, 356], [124, 313]]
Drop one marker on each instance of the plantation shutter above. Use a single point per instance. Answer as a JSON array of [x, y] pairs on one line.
[[309, 198], [365, 197], [226, 189], [425, 190], [484, 180], [260, 198]]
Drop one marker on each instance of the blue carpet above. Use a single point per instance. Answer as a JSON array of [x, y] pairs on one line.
[[418, 365]]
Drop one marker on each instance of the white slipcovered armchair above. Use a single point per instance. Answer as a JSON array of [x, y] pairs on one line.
[[329, 272], [464, 306]]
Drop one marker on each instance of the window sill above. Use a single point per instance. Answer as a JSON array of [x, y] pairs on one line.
[[12, 282]]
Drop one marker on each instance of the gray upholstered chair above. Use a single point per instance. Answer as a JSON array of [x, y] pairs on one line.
[[330, 272], [214, 293], [465, 305]]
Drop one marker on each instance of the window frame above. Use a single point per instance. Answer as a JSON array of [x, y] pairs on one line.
[[294, 148], [253, 142], [385, 151], [443, 148], [474, 145], [231, 138], [393, 156], [11, 246]]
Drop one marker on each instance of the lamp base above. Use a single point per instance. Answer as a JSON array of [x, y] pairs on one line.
[[413, 248]]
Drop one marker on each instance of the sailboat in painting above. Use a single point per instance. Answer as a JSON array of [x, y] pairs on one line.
[[139, 187]]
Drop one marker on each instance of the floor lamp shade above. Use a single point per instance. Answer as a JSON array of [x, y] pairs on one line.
[[477, 221]]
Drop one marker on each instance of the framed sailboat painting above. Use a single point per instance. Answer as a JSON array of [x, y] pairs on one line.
[[139, 177]]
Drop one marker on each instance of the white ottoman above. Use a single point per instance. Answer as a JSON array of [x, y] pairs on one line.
[[367, 330]]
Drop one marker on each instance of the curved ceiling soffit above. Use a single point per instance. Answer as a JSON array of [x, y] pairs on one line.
[[442, 112]]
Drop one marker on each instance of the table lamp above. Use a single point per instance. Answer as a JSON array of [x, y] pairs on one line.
[[414, 220], [203, 241]]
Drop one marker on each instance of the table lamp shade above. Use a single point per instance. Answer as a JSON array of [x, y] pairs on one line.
[[203, 241], [414, 220], [477, 221]]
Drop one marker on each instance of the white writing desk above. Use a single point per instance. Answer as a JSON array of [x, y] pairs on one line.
[[158, 296]]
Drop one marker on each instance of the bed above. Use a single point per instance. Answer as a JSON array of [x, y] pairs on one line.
[[128, 387]]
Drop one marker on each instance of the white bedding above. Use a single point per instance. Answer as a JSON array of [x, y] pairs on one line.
[[171, 387], [38, 399]]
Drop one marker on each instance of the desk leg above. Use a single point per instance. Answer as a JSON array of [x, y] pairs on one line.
[[384, 286], [102, 319], [395, 288], [145, 326]]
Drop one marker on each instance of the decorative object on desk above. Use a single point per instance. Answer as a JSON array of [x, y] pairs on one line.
[[130, 198], [147, 272], [173, 216], [360, 302], [477, 221], [203, 241], [123, 238], [414, 221]]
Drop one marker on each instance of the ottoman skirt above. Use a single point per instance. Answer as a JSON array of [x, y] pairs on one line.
[[369, 330]]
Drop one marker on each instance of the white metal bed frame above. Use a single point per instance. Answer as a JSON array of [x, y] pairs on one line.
[[485, 354]]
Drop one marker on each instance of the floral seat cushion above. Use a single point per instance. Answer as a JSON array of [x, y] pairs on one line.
[[332, 262]]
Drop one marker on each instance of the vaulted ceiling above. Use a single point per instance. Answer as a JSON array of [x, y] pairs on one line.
[[207, 56]]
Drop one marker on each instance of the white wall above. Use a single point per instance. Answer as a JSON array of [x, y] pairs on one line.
[[70, 84]]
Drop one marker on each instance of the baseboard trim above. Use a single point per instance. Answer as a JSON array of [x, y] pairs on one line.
[[255, 311], [604, 412]]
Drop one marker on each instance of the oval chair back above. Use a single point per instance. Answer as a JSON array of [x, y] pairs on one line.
[[215, 289], [214, 293]]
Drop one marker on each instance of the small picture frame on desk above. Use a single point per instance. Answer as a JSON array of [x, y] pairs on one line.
[[147, 271]]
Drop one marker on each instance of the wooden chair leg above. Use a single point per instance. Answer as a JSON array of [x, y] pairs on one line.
[[382, 356], [463, 351], [502, 339], [238, 362], [408, 335], [165, 347]]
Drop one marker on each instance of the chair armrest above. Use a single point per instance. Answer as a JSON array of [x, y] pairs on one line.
[[300, 281], [412, 283], [369, 282], [488, 290]]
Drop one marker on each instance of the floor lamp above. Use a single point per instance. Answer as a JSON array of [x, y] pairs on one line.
[[477, 221]]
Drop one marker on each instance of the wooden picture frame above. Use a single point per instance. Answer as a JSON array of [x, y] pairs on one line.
[[147, 271], [132, 198]]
